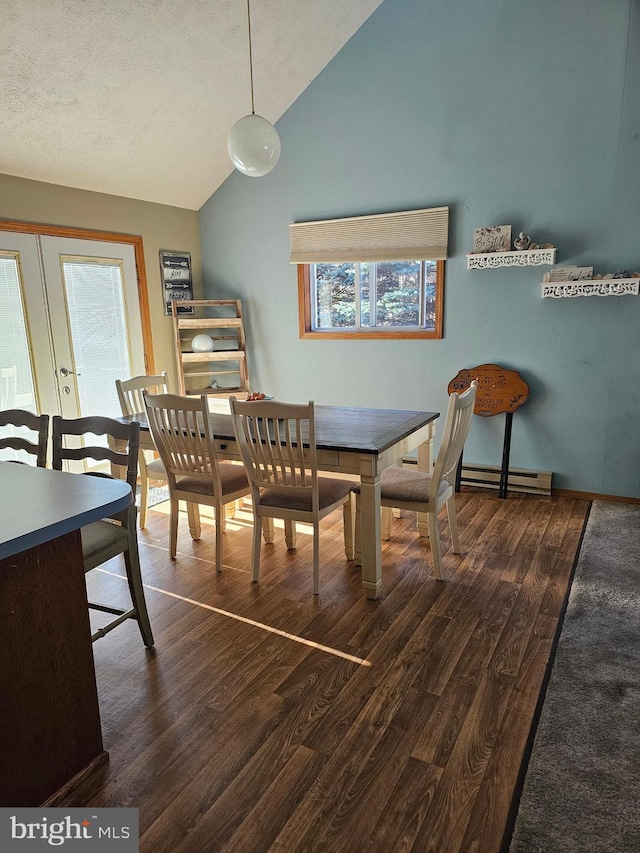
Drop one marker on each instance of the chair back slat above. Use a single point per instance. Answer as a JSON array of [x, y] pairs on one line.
[[454, 435], [131, 391], [277, 444], [21, 419]]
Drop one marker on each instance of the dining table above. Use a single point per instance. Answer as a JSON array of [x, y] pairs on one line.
[[349, 441], [50, 734]]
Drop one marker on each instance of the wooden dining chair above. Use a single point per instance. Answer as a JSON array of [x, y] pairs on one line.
[[130, 393], [20, 419], [105, 539], [182, 431], [284, 476], [401, 488]]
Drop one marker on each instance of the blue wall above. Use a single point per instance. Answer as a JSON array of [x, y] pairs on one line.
[[510, 112]]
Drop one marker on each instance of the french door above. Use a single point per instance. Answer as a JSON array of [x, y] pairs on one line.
[[70, 324]]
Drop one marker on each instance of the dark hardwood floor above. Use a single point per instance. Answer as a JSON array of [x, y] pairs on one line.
[[269, 720]]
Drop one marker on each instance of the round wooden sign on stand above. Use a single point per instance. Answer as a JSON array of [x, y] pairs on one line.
[[499, 391]]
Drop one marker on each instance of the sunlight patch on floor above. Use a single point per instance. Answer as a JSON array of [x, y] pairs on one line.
[[252, 622], [242, 519], [190, 557]]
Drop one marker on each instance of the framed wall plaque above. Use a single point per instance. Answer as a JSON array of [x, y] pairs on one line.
[[495, 238], [499, 390], [177, 284]]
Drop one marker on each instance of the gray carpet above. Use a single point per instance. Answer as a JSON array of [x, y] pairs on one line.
[[581, 793]]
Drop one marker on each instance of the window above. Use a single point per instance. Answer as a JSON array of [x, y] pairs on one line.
[[375, 299], [17, 387], [354, 279]]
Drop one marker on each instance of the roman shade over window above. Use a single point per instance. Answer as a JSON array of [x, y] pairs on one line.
[[408, 235]]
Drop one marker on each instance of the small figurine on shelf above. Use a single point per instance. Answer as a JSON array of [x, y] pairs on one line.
[[524, 243], [619, 274]]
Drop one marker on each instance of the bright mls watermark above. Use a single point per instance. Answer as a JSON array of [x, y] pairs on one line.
[[69, 829]]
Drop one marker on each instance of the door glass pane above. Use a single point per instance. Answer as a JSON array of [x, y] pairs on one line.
[[17, 390], [99, 333]]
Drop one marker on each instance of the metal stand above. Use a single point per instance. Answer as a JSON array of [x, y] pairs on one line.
[[504, 470], [506, 449], [500, 390]]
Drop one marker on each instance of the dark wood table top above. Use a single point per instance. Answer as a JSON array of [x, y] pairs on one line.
[[339, 428], [39, 505]]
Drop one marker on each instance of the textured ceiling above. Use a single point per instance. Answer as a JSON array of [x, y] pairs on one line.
[[136, 97]]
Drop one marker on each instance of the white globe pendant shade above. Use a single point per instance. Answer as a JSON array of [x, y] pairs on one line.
[[253, 146], [202, 343]]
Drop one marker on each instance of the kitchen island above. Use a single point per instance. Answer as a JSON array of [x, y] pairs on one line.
[[50, 735]]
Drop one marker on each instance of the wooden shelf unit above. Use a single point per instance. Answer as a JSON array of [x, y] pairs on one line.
[[222, 320]]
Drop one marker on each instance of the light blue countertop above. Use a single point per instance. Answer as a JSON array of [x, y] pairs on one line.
[[38, 505]]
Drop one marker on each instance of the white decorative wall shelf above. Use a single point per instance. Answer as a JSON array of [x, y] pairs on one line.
[[527, 258], [590, 287]]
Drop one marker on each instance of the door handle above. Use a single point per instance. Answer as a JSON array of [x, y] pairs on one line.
[[64, 371]]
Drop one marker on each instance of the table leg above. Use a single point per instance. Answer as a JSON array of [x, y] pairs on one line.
[[370, 535], [425, 464]]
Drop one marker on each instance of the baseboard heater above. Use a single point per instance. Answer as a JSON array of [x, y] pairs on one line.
[[488, 477]]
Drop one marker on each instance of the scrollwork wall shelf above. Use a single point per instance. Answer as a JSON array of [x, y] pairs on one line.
[[590, 287], [527, 258]]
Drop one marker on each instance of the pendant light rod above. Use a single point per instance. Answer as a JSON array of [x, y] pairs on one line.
[[253, 109], [253, 142]]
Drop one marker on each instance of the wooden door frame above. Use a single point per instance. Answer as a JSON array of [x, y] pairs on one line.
[[106, 237]]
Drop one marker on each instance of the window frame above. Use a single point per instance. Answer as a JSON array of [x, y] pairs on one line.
[[376, 332]]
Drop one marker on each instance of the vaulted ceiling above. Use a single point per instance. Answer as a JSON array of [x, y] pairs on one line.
[[136, 97]]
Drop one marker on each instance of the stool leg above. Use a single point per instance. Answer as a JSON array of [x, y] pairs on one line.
[[506, 449]]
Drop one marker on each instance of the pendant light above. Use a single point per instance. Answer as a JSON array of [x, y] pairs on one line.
[[253, 143]]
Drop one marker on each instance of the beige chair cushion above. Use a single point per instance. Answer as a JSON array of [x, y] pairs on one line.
[[329, 491], [156, 467], [102, 538], [406, 486], [232, 477]]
